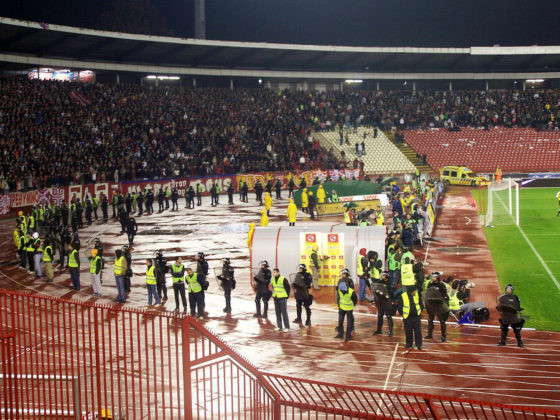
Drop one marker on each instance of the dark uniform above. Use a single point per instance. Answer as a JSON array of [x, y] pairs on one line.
[[202, 273], [175, 199], [228, 283], [89, 210], [258, 191], [105, 208], [302, 282], [510, 309], [161, 270], [278, 189], [149, 202], [190, 197], [64, 213], [439, 307], [128, 203], [131, 229], [230, 193], [128, 273], [383, 294], [160, 198], [140, 201], [245, 191], [262, 280], [291, 186]]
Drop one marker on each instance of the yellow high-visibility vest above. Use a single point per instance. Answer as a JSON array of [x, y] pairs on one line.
[[278, 288]]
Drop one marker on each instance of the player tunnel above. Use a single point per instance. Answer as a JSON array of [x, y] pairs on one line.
[[338, 246]]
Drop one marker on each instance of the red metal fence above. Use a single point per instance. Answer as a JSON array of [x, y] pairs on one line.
[[70, 359]]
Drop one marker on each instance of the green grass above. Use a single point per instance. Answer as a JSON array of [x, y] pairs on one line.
[[516, 263]]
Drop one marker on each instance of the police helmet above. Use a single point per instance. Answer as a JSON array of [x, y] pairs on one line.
[[302, 267], [96, 240], [372, 254], [510, 287], [264, 262], [125, 247], [200, 255], [385, 274], [158, 252], [345, 271], [436, 275], [225, 261]]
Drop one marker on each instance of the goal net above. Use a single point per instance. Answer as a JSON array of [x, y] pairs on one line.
[[502, 203]]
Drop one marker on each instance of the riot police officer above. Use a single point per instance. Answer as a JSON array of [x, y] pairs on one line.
[[383, 294], [302, 282], [262, 280], [509, 307], [230, 193], [190, 197], [437, 301], [174, 199], [161, 270], [228, 282], [128, 273]]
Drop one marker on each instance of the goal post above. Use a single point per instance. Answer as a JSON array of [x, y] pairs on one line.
[[502, 206]]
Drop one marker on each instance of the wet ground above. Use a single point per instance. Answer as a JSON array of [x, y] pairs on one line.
[[468, 365]]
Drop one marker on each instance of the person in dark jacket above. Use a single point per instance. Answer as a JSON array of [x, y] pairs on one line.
[[311, 204], [278, 189], [149, 202], [280, 293], [268, 187], [105, 208], [230, 193], [161, 270], [160, 198], [245, 191], [190, 197], [383, 294], [291, 186], [509, 307], [122, 219], [175, 199], [131, 229], [202, 273], [258, 191], [227, 280], [437, 306], [346, 299], [140, 200], [128, 203], [302, 282], [128, 272], [261, 282]]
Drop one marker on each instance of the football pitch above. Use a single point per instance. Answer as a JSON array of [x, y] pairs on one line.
[[528, 255]]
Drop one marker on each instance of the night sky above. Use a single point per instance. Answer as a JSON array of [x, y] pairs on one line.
[[420, 23]]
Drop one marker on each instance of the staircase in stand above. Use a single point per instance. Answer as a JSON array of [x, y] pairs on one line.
[[409, 153]]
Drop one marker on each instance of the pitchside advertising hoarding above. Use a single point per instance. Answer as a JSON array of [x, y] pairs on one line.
[[330, 252], [13, 202]]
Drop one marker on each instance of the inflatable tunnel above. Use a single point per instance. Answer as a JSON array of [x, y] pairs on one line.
[[285, 247]]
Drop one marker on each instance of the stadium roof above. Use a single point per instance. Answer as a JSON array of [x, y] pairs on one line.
[[26, 44]]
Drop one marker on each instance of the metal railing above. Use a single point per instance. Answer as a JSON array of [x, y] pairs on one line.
[[69, 359]]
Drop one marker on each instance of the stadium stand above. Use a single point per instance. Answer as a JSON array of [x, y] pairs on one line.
[[55, 133], [512, 149], [381, 157]]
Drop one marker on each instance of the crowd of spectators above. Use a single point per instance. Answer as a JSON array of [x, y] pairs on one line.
[[132, 131], [538, 109]]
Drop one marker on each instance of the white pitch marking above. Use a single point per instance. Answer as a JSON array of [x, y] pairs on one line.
[[469, 220], [390, 367], [533, 249]]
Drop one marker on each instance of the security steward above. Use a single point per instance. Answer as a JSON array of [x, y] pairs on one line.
[[196, 294], [510, 309], [383, 294], [48, 256], [407, 272], [280, 293], [178, 277], [410, 310], [437, 303], [262, 280], [346, 300]]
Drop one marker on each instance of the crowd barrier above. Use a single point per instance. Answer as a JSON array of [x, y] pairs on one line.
[[11, 203], [69, 359]]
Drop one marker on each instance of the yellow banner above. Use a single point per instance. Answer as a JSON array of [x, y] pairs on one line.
[[336, 208], [431, 213], [333, 264]]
